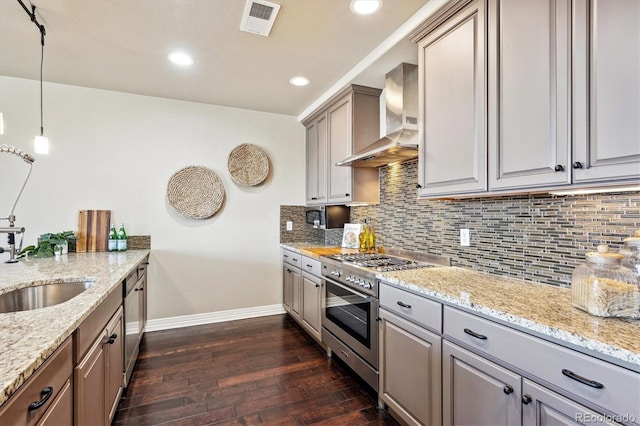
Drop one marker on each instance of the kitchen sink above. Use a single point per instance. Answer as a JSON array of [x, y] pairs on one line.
[[41, 296]]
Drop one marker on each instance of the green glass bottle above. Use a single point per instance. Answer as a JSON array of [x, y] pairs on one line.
[[113, 238], [122, 238]]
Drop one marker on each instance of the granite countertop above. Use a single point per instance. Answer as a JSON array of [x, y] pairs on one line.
[[316, 250], [540, 309], [27, 338]]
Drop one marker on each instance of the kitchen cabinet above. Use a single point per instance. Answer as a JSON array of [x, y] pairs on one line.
[[98, 375], [345, 124], [452, 92], [563, 96], [316, 161], [291, 282], [311, 298], [479, 354], [543, 407], [135, 315], [45, 398], [529, 64], [606, 97], [410, 356], [477, 391]]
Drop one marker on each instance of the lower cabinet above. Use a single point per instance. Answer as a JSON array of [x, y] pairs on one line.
[[302, 291], [46, 398], [477, 391], [98, 376], [311, 291], [410, 370]]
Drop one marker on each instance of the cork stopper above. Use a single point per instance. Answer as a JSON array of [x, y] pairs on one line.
[[603, 256]]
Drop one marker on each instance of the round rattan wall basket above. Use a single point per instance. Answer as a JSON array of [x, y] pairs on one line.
[[195, 192], [248, 165]]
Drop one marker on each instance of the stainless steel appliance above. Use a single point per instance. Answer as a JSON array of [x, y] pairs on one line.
[[350, 304], [134, 317]]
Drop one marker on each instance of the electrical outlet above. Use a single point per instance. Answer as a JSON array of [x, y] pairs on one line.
[[289, 225], [465, 238]]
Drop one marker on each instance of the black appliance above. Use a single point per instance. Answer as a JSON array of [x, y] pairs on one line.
[[328, 217]]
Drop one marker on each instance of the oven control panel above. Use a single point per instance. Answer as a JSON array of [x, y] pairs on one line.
[[361, 282]]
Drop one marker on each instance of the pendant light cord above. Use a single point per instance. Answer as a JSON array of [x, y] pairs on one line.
[[41, 102]]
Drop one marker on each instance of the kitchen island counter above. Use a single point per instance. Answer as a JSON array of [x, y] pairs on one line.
[[27, 338], [538, 309]]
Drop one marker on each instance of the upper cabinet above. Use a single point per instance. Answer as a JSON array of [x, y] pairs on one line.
[[606, 98], [452, 118], [529, 93], [560, 105], [345, 124]]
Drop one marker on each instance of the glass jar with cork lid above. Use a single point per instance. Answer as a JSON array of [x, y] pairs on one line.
[[605, 288]]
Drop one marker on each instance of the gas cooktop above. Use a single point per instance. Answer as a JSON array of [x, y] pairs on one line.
[[379, 262]]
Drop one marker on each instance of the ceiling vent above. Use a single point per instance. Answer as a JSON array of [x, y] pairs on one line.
[[259, 16]]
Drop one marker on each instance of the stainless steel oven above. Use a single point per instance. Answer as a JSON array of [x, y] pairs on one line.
[[352, 317], [350, 327]]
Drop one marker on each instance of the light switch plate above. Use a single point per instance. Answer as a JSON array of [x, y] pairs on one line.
[[289, 225]]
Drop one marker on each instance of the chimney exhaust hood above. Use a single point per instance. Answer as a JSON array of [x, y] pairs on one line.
[[401, 141]]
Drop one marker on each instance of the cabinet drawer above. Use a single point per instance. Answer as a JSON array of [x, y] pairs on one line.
[[422, 311], [291, 257], [617, 391], [310, 265], [54, 373]]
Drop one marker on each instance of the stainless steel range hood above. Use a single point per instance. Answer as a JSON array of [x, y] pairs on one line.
[[401, 141]]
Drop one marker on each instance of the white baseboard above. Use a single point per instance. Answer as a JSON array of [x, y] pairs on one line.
[[212, 317]]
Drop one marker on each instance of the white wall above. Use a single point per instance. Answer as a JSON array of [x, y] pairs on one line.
[[117, 151]]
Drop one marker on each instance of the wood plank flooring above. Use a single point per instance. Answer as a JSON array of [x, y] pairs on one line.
[[259, 371]]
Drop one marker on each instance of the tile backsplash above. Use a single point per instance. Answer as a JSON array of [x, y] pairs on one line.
[[538, 238]]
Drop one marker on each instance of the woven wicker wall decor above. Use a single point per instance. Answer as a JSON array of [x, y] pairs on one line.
[[248, 165], [195, 192]]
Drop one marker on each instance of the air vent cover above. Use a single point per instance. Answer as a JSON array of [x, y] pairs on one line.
[[259, 16]]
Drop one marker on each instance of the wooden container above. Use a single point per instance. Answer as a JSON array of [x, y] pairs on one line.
[[93, 230]]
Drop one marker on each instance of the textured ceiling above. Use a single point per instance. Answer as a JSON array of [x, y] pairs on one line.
[[122, 45]]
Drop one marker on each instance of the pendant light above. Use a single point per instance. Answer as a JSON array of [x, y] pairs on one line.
[[41, 142]]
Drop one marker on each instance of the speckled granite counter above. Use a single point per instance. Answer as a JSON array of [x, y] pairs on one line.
[[316, 250], [538, 309], [28, 338]]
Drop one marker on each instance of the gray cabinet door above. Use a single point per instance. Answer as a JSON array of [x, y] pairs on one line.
[[316, 161], [606, 90], [529, 93], [311, 291], [410, 373], [296, 293], [452, 100], [477, 391], [340, 145], [287, 287], [542, 407]]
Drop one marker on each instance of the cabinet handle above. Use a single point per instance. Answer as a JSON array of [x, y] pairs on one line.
[[526, 399], [286, 256], [507, 389], [111, 340], [139, 289], [309, 266], [404, 305], [45, 394], [474, 334], [577, 165], [559, 168], [344, 353], [314, 198], [418, 186], [570, 374], [346, 195], [288, 270], [317, 285]]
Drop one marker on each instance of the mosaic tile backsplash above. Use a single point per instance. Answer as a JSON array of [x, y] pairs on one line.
[[539, 238]]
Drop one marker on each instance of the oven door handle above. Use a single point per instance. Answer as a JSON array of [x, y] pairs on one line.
[[365, 296]]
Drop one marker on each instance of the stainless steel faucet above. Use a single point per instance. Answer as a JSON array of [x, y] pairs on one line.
[[12, 230]]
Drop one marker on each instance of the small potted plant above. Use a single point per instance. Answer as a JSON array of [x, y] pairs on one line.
[[49, 245]]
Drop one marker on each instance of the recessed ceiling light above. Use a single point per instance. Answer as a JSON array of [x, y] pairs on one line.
[[299, 81], [365, 7], [181, 58]]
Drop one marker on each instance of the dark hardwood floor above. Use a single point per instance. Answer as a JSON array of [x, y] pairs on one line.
[[259, 371]]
